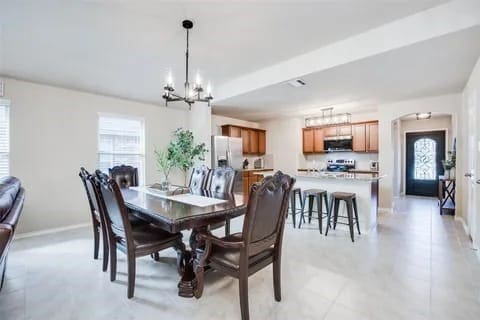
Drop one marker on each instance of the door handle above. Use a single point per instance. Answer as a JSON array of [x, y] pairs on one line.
[[468, 175]]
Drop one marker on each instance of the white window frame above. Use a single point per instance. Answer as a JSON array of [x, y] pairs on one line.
[[6, 103], [141, 171]]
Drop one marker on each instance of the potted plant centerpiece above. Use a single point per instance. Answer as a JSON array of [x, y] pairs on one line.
[[449, 165], [183, 151]]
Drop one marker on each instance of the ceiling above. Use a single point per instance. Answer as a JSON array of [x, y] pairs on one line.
[[434, 67], [123, 48]]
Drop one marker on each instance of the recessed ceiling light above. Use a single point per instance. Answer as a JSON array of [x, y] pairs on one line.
[[296, 83], [423, 115]]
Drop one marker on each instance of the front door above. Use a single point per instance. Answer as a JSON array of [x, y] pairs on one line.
[[424, 154]]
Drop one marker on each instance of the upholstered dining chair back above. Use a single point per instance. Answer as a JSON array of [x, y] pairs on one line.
[[266, 212], [113, 206], [125, 176], [221, 180], [89, 189], [199, 179]]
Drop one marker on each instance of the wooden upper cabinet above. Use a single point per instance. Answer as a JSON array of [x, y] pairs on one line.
[[359, 142], [253, 141], [262, 142], [344, 130], [330, 131], [318, 135], [372, 136], [308, 140], [245, 133]]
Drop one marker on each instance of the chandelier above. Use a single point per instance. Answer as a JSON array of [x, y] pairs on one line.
[[328, 118], [193, 92]]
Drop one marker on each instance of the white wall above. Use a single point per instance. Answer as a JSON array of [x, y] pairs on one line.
[[54, 133], [388, 113], [435, 123], [469, 146]]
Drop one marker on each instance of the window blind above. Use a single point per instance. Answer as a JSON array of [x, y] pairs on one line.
[[121, 141], [4, 139]]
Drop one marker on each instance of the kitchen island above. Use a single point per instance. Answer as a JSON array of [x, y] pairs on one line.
[[365, 186]]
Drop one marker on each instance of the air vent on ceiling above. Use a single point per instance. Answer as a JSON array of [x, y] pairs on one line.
[[296, 83]]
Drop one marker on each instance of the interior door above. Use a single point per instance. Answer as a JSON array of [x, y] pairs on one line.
[[424, 154], [473, 159]]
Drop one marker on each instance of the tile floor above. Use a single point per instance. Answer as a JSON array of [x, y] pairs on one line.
[[417, 265]]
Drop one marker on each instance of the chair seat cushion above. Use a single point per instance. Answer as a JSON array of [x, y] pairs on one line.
[[230, 258], [314, 191], [148, 235]]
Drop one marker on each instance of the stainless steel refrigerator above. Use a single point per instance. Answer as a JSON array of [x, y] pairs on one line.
[[227, 152]]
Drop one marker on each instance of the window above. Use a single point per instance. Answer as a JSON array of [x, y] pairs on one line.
[[4, 138], [425, 153], [121, 141]]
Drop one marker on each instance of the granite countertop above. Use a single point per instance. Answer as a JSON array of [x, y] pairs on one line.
[[259, 170], [341, 176]]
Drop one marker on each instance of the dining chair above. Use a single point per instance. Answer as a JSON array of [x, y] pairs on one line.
[[258, 245], [97, 221], [199, 178], [125, 176], [221, 180], [135, 242]]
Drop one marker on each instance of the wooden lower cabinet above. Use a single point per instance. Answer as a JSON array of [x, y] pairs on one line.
[[249, 179]]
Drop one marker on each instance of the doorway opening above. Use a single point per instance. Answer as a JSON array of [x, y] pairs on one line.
[[423, 162]]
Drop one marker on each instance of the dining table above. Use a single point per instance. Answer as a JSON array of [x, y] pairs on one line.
[[194, 211]]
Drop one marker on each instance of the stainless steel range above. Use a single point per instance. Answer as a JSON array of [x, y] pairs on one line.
[[340, 165]]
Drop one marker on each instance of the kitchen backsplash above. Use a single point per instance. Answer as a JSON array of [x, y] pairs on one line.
[[362, 159], [267, 161]]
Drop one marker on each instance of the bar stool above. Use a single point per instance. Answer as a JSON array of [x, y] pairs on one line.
[[313, 194], [351, 203], [293, 203]]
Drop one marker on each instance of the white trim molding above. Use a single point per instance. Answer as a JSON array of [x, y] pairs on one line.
[[50, 231]]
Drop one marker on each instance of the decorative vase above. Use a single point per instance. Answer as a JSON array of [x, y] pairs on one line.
[[452, 173], [165, 184]]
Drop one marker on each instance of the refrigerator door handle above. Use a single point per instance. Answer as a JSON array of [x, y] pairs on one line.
[[229, 158]]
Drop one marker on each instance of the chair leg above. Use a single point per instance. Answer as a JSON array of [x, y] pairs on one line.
[[329, 214], [293, 207], [335, 213], [131, 274], [105, 251], [355, 209], [113, 260], [320, 212], [350, 217], [325, 198], [243, 290], [310, 209], [277, 278], [302, 201], [96, 241], [227, 227], [302, 215], [4, 271]]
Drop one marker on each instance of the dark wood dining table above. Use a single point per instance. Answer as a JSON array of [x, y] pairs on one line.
[[174, 216]]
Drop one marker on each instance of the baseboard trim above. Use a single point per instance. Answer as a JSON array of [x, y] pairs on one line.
[[385, 210], [50, 231], [462, 221]]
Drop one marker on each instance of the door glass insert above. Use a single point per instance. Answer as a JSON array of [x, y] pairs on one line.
[[424, 159]]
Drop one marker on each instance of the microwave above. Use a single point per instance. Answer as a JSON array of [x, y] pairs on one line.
[[337, 143]]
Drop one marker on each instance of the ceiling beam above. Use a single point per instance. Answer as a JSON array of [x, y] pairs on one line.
[[444, 19]]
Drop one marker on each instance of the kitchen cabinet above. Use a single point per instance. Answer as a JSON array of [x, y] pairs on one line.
[[262, 142], [318, 135], [253, 140], [371, 129], [308, 140], [330, 131], [364, 136], [249, 178], [359, 142]]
